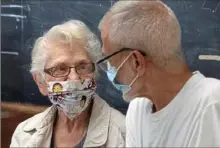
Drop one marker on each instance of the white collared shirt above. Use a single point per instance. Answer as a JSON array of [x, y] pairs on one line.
[[191, 119], [106, 128]]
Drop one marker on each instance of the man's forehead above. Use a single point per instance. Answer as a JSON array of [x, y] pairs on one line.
[[106, 47]]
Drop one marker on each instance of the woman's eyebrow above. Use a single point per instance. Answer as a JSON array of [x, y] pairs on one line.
[[60, 63], [83, 61], [57, 64]]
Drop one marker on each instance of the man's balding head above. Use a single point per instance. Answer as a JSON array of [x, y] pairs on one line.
[[150, 26]]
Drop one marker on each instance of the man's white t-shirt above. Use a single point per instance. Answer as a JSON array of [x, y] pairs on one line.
[[192, 118]]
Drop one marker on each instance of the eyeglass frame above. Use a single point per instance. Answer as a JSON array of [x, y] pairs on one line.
[[116, 52], [49, 70]]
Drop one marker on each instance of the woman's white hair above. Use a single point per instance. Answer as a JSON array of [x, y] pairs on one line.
[[66, 33], [147, 25]]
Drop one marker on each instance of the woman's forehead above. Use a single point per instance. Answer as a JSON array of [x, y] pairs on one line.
[[68, 56]]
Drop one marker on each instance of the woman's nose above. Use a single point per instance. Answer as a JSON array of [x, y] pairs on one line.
[[73, 75]]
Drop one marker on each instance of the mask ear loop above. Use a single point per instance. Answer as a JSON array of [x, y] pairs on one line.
[[43, 77], [124, 61], [134, 80], [121, 66]]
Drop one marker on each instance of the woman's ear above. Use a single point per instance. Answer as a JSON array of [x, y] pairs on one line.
[[42, 85], [139, 62]]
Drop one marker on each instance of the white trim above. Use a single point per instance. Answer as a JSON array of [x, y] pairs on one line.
[[210, 57], [10, 53], [13, 15], [12, 6]]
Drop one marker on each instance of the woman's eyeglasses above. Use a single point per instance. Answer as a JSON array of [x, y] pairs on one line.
[[64, 71]]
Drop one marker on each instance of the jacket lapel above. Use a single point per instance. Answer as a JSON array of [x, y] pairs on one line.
[[41, 128], [97, 133]]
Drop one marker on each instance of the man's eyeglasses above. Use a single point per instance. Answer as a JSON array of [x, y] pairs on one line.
[[64, 71], [114, 53], [105, 65]]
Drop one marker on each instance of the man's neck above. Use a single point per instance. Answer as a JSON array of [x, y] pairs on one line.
[[166, 86]]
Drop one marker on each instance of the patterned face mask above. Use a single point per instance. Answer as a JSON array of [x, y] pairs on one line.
[[72, 97]]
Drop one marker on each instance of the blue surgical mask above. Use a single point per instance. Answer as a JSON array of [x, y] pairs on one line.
[[112, 73]]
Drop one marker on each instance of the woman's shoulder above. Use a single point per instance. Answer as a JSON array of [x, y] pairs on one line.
[[117, 119], [22, 136], [117, 129], [34, 121], [115, 122]]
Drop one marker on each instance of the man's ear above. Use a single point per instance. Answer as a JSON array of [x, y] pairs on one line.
[[42, 85], [139, 62]]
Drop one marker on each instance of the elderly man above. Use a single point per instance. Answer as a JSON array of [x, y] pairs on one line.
[[174, 107], [63, 68]]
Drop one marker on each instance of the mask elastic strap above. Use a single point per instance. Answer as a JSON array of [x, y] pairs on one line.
[[43, 77], [124, 61], [134, 80]]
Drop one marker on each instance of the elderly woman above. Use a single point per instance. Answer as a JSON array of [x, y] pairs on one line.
[[63, 69]]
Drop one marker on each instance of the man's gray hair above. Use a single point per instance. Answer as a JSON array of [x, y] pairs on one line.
[[147, 25], [66, 33]]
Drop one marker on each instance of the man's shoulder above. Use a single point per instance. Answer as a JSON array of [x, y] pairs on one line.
[[138, 105], [211, 82], [214, 94], [205, 93], [210, 89], [137, 110]]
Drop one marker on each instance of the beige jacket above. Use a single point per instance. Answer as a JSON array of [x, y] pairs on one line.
[[106, 128]]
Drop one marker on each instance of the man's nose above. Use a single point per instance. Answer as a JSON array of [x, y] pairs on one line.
[[73, 75]]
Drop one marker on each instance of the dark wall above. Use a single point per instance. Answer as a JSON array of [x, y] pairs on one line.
[[200, 22], [24, 21]]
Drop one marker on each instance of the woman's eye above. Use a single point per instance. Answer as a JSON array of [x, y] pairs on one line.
[[63, 68], [83, 66]]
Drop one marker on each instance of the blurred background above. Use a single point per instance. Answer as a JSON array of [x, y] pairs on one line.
[[22, 21]]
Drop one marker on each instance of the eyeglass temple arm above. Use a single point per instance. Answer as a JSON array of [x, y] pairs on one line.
[[123, 49]]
